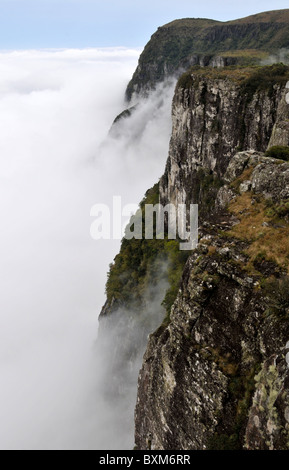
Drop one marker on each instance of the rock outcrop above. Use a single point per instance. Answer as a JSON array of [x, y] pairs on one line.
[[183, 43], [217, 376], [215, 114], [215, 372]]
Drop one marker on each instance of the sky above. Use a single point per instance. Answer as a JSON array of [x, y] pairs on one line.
[[97, 23]]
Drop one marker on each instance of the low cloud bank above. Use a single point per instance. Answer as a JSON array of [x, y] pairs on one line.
[[56, 161]]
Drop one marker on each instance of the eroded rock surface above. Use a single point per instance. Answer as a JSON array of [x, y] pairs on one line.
[[217, 377]]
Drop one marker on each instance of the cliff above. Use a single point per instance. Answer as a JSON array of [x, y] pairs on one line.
[[180, 44], [215, 372], [216, 377], [217, 113]]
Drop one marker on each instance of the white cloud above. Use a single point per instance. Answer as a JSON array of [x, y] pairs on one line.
[[56, 108]]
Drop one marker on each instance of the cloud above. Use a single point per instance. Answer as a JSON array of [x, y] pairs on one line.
[[56, 162], [281, 56], [121, 345]]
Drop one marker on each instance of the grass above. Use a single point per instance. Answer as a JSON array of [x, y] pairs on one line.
[[278, 292], [195, 74], [251, 78], [245, 53], [191, 22], [272, 240], [278, 16], [172, 46], [246, 175]]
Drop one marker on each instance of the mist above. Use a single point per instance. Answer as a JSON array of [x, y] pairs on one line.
[[281, 56], [121, 344], [58, 159]]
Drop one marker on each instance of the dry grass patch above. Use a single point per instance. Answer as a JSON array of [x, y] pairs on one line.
[[236, 74], [272, 240], [246, 175], [211, 250], [246, 53]]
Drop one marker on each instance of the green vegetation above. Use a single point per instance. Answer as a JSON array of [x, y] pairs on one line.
[[264, 225], [274, 16], [277, 290], [125, 114], [241, 388], [265, 78], [260, 226], [191, 23], [249, 56], [186, 80], [277, 210], [195, 74], [177, 260], [204, 188], [246, 175], [176, 44], [278, 151], [250, 79], [141, 263]]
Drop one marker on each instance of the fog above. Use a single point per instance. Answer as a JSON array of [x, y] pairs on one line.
[[121, 343], [57, 159], [281, 56]]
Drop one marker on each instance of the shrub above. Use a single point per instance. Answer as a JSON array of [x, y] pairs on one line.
[[277, 290], [261, 256], [186, 80], [136, 265], [278, 151], [265, 78], [283, 209]]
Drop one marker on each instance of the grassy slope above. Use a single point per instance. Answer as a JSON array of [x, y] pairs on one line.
[[247, 40], [250, 78], [276, 16]]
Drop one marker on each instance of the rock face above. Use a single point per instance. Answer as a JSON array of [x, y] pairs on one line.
[[212, 118], [216, 375], [215, 372], [182, 43], [280, 133]]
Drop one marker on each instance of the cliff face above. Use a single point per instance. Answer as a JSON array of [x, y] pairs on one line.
[[215, 376], [215, 114], [187, 42], [215, 373]]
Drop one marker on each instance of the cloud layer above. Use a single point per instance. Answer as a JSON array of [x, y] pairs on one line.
[[56, 161]]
